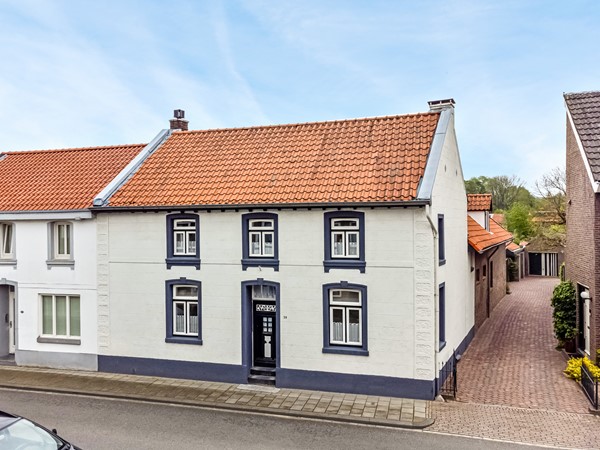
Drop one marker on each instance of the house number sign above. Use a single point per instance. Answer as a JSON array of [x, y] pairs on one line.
[[265, 308]]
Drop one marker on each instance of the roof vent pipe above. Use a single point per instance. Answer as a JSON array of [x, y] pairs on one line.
[[178, 122], [437, 105]]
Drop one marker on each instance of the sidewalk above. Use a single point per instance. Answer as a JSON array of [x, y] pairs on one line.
[[351, 408]]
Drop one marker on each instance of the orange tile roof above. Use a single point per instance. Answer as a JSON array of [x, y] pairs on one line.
[[512, 247], [481, 239], [479, 202], [359, 160], [51, 180]]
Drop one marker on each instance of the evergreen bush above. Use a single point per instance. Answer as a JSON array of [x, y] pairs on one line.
[[564, 315]]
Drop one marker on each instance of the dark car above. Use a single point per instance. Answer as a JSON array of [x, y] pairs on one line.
[[18, 433]]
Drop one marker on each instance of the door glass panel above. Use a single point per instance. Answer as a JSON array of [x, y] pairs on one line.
[[61, 315], [47, 314], [74, 316]]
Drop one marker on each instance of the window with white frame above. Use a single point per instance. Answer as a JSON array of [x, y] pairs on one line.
[[259, 240], [183, 246], [344, 240], [61, 316], [261, 233], [185, 310], [7, 250], [184, 237], [62, 240], [345, 237], [345, 317]]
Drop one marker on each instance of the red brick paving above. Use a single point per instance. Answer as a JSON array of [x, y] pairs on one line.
[[512, 360]]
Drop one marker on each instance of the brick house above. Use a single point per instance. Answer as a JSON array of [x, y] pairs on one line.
[[582, 254], [487, 255]]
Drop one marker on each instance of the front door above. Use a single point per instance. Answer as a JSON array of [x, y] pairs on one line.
[[264, 333], [587, 312], [11, 320]]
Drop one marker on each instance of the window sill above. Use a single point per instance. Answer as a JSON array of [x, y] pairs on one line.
[[60, 263], [260, 262], [57, 340], [441, 346], [344, 264], [183, 261], [8, 262], [442, 262], [356, 351], [183, 340]]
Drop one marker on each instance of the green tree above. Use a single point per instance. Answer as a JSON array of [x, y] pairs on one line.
[[505, 190], [552, 188], [518, 221]]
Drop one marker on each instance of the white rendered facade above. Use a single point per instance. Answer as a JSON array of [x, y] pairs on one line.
[[39, 269], [400, 284]]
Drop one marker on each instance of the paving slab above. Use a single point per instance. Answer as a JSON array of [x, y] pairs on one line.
[[269, 400]]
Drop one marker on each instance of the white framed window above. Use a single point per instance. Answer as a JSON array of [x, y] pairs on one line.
[[62, 237], [345, 236], [184, 237], [61, 316], [345, 317], [185, 310], [261, 233], [7, 241]]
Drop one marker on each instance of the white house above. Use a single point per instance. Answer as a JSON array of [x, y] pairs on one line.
[[327, 256], [48, 283]]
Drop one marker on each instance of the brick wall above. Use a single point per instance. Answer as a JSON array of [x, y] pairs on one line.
[[582, 225], [497, 289]]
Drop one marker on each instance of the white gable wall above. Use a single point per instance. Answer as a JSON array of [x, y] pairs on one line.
[[449, 198]]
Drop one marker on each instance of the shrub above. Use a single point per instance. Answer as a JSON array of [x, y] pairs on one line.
[[561, 272], [564, 315]]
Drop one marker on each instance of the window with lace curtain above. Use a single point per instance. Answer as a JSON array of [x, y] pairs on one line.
[[184, 318], [345, 327]]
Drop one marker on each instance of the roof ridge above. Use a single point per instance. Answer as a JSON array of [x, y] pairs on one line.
[[289, 125], [580, 93], [68, 149]]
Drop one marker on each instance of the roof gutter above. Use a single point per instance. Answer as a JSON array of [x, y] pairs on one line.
[[103, 197], [586, 162], [395, 204], [435, 154]]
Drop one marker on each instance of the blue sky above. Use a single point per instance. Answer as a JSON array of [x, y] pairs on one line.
[[84, 73]]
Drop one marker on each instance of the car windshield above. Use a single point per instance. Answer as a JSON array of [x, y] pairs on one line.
[[24, 435]]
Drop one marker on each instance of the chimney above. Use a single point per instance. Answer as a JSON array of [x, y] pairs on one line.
[[178, 122], [438, 105]]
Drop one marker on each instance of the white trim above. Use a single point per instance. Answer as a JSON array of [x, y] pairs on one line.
[[586, 163], [46, 215], [103, 197], [435, 154]]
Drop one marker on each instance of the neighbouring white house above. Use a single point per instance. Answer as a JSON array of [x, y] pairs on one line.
[[328, 255], [48, 282]]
